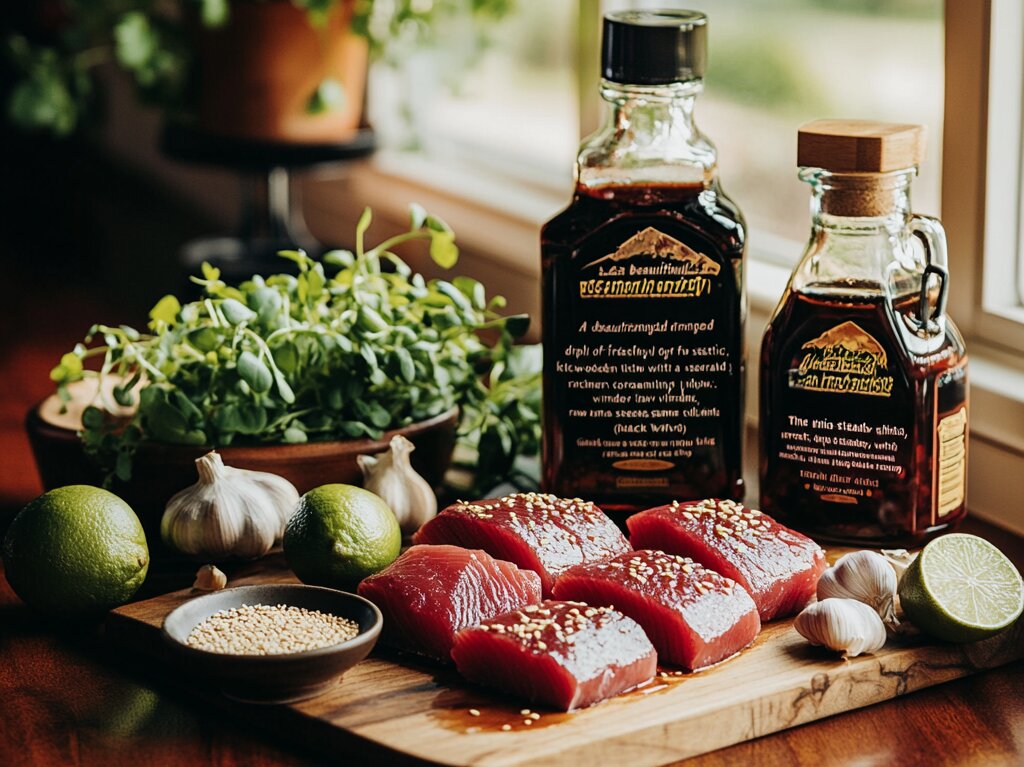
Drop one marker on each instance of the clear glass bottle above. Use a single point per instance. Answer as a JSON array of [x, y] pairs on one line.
[[643, 295], [863, 375]]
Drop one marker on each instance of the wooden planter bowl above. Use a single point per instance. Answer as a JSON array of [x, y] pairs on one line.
[[161, 470]]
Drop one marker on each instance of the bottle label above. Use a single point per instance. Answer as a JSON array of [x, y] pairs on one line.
[[650, 264], [951, 460], [647, 362], [841, 449], [845, 360]]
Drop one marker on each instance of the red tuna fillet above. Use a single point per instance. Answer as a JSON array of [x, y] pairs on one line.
[[562, 654], [430, 592], [778, 566], [693, 616], [538, 532]]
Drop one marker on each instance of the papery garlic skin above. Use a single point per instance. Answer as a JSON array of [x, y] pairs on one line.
[[899, 560], [210, 578], [391, 476], [229, 512], [843, 625], [865, 576]]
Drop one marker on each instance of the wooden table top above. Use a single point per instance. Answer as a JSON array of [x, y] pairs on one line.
[[64, 701]]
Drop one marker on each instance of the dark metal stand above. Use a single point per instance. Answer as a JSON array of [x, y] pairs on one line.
[[271, 216]]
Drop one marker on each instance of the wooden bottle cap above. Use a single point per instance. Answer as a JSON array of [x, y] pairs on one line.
[[860, 146]]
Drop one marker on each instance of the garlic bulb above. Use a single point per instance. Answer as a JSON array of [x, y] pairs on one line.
[[229, 512], [210, 578], [865, 576], [392, 477], [844, 625]]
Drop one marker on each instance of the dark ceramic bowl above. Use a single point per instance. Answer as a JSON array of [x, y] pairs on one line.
[[274, 678]]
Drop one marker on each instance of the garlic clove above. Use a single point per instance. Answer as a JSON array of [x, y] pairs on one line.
[[391, 476], [866, 577], [229, 512], [843, 625], [899, 559], [210, 578]]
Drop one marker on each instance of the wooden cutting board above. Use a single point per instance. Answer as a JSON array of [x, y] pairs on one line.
[[392, 710]]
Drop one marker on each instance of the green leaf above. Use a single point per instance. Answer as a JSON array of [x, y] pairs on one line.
[[69, 369], [92, 417], [294, 435], [123, 396], [254, 372], [417, 215], [215, 13], [123, 465], [235, 312], [443, 249], [406, 365], [328, 97], [136, 41], [166, 310], [436, 224], [517, 324], [210, 272], [286, 357], [205, 339], [340, 258]]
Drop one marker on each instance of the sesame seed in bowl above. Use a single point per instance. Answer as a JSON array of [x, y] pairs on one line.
[[272, 643]]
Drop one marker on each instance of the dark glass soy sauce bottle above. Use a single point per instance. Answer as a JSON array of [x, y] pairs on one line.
[[863, 375], [643, 289]]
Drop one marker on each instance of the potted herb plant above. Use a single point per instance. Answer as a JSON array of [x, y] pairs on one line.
[[279, 70], [298, 375]]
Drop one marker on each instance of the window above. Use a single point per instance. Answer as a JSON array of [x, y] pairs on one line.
[[516, 111], [502, 102], [774, 66], [999, 318]]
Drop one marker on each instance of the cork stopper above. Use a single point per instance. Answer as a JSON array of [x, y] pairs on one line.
[[868, 155]]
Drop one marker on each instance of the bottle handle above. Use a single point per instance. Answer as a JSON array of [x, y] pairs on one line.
[[933, 237]]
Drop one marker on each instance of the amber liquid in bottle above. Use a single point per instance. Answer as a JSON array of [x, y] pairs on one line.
[[878, 463], [643, 335]]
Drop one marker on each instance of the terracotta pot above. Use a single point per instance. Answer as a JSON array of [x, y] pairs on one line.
[[258, 72], [160, 470]]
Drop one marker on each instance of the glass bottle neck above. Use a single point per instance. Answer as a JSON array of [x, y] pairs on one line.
[[649, 136], [859, 201], [860, 241]]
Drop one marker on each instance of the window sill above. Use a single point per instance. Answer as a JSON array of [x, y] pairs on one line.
[[499, 226]]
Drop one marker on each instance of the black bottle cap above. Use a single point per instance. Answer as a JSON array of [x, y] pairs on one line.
[[654, 47]]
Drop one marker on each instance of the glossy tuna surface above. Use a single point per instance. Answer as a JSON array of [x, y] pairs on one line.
[[777, 566], [537, 531], [693, 616], [430, 592], [565, 655]]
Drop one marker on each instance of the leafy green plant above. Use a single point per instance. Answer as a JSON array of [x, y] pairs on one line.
[[350, 347], [148, 40]]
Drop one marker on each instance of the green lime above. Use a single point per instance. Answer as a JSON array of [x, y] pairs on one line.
[[75, 550], [339, 534], [961, 588]]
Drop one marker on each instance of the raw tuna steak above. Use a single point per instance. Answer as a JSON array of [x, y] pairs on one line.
[[778, 566], [692, 615], [538, 532], [430, 592], [562, 654]]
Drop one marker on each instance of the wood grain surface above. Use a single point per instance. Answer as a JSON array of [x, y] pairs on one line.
[[391, 708]]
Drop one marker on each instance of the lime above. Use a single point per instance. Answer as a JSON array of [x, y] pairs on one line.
[[339, 534], [75, 550], [961, 588]]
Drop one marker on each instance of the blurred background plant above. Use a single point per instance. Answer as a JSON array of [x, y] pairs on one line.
[[154, 41]]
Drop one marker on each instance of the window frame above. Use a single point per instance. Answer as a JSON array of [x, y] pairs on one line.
[[986, 219]]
